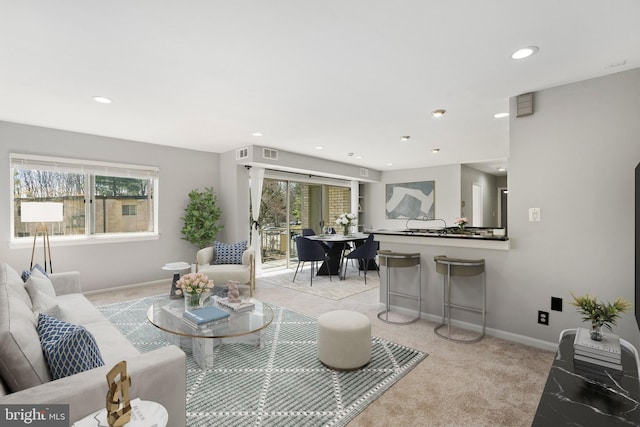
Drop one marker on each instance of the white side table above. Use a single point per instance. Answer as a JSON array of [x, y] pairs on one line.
[[144, 413], [176, 267]]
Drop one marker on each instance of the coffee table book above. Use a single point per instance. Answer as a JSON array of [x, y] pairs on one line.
[[609, 346], [205, 315], [238, 307]]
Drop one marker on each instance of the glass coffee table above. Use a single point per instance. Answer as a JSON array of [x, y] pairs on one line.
[[244, 327]]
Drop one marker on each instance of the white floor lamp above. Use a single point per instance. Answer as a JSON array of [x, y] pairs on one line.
[[41, 213]]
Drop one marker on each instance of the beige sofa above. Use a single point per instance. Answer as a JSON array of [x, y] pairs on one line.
[[158, 375], [221, 273]]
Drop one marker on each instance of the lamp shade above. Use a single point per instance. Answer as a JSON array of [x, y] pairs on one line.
[[41, 212]]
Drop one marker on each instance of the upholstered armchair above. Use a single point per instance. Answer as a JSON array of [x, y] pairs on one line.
[[243, 272]]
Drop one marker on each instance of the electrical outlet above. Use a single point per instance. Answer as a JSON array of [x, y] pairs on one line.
[[543, 317]]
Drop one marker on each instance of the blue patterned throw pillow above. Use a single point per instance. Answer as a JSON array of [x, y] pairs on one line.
[[27, 273], [229, 254], [68, 349]]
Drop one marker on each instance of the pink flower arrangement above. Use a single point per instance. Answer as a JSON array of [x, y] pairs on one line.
[[461, 222], [193, 284]]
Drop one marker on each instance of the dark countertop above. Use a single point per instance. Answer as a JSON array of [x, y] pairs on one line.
[[476, 233], [575, 398]]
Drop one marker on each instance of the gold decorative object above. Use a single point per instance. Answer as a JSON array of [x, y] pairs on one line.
[[118, 402]]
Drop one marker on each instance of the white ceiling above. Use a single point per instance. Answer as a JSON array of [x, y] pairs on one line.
[[351, 76]]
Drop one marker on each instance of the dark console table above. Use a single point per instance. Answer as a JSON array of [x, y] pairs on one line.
[[575, 398]]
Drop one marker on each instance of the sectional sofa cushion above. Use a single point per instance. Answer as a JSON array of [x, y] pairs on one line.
[[27, 273], [39, 282], [229, 253], [22, 363], [68, 348]]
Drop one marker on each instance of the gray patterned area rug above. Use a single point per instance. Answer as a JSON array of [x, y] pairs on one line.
[[282, 384], [335, 289]]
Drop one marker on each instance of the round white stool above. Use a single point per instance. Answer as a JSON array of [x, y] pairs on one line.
[[344, 339]]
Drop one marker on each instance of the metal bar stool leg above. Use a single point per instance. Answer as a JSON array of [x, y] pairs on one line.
[[398, 260], [460, 267]]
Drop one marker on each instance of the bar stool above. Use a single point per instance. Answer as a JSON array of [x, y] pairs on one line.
[[459, 267], [391, 260]]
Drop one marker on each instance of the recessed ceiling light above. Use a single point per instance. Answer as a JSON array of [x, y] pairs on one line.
[[525, 52], [319, 147], [435, 150], [502, 169], [256, 134], [438, 113], [102, 99], [358, 157], [405, 138], [389, 164], [501, 115]]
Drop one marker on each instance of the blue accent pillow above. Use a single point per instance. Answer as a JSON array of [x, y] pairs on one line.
[[68, 349], [229, 254], [27, 273]]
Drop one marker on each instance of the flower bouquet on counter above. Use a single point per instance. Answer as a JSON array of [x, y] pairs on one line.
[[461, 222]]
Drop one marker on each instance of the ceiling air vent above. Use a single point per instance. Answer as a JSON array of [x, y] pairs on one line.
[[364, 172], [524, 105], [270, 153], [242, 153]]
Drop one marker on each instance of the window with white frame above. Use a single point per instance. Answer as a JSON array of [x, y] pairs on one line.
[[98, 198]]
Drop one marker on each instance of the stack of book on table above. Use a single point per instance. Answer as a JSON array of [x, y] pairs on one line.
[[204, 317], [238, 307], [597, 356]]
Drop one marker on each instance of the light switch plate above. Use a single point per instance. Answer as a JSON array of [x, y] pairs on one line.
[[534, 214]]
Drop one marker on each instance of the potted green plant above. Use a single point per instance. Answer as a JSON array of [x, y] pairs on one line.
[[599, 314], [201, 218]]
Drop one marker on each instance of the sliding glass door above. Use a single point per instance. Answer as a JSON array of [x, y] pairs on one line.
[[287, 207]]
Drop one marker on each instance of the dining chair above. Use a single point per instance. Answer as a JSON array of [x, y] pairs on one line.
[[313, 251], [363, 253], [308, 232]]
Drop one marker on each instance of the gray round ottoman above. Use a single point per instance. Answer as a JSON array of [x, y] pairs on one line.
[[344, 339]]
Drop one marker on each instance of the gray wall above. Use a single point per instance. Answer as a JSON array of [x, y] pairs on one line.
[[470, 176], [108, 265], [574, 158]]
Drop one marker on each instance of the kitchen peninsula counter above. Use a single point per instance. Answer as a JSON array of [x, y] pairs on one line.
[[437, 238]]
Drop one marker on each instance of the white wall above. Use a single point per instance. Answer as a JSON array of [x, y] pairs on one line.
[[111, 264]]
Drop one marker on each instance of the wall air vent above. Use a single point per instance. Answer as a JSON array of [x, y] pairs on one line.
[[270, 153], [242, 153], [524, 105], [364, 172]]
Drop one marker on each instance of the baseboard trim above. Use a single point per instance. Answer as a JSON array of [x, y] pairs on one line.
[[133, 286], [498, 333]]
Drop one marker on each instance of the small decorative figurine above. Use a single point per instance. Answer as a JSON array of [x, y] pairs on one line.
[[233, 294], [118, 402]]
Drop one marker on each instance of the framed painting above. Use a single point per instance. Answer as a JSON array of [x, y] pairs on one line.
[[410, 200]]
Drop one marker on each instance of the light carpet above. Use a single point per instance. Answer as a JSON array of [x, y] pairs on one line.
[[282, 384], [335, 289]]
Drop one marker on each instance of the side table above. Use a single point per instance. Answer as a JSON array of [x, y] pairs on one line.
[[176, 267], [572, 397], [144, 413]]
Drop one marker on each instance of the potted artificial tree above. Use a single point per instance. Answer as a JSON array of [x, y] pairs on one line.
[[201, 218], [599, 313]]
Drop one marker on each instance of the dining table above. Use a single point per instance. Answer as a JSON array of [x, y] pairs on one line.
[[335, 244]]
